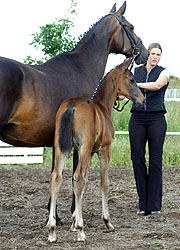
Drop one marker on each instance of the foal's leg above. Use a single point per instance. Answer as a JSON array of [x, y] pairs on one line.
[[80, 179], [73, 229], [75, 163], [56, 180], [104, 157], [58, 220]]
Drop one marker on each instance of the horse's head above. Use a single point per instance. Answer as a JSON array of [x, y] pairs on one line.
[[127, 85], [124, 40]]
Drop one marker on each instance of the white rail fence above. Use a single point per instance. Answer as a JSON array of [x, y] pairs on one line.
[[20, 155], [25, 155], [172, 93]]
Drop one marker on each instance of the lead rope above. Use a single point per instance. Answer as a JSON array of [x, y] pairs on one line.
[[117, 105]]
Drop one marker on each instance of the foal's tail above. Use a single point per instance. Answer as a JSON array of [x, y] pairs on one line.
[[66, 130]]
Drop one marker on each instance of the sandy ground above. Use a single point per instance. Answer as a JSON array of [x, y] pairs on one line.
[[23, 214]]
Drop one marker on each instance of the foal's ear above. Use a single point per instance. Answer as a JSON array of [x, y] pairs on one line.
[[113, 8], [125, 65], [122, 9]]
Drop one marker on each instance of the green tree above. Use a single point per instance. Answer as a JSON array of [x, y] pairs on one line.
[[54, 38]]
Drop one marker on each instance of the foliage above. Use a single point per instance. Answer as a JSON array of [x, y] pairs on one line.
[[30, 60], [54, 38], [174, 82]]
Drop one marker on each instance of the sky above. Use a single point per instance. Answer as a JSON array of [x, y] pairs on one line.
[[153, 20]]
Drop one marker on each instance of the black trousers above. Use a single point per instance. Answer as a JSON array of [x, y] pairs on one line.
[[148, 127]]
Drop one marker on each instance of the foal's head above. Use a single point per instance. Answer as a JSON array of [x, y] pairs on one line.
[[126, 84]]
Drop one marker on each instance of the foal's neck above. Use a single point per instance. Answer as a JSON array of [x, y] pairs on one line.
[[107, 93]]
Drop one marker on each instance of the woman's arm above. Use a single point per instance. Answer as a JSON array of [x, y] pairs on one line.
[[158, 84]]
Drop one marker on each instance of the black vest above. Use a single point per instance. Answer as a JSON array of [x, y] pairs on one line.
[[154, 100]]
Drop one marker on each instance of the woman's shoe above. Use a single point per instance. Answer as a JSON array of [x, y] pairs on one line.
[[141, 212], [155, 212]]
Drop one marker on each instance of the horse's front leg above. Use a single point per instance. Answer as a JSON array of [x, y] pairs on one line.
[[104, 157]]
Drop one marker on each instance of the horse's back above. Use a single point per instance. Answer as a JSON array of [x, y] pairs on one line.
[[10, 72]]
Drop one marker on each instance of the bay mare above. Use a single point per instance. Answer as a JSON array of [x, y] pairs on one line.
[[30, 95], [86, 125]]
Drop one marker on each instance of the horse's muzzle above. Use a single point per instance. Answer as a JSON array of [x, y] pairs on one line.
[[139, 103]]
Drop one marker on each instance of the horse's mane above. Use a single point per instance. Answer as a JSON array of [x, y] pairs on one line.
[[87, 34]]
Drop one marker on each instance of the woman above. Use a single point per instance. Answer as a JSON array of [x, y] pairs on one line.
[[148, 124]]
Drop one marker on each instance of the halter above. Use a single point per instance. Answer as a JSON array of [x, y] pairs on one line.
[[136, 46], [135, 53]]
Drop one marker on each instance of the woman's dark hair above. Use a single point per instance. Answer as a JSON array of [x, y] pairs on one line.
[[154, 45]]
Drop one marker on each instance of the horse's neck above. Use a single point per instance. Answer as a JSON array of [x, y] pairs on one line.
[[92, 50], [93, 62]]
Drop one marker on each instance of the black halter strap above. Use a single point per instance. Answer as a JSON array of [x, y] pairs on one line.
[[136, 46], [135, 53], [117, 105]]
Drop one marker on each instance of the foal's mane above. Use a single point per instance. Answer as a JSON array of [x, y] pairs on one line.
[[96, 92]]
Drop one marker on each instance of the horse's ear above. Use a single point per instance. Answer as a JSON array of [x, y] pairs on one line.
[[125, 65], [113, 8], [122, 9]]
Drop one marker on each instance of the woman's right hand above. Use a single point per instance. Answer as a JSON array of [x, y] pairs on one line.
[[121, 97]]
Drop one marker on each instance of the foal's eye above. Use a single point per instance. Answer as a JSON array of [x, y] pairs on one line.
[[131, 27], [132, 80]]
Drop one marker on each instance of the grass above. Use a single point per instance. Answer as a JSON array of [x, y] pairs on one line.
[[121, 153], [120, 120]]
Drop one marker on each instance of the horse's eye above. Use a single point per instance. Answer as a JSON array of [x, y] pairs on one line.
[[132, 80]]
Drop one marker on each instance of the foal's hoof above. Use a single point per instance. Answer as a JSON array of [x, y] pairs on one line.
[[52, 239], [72, 228], [110, 228], [52, 234], [81, 235]]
